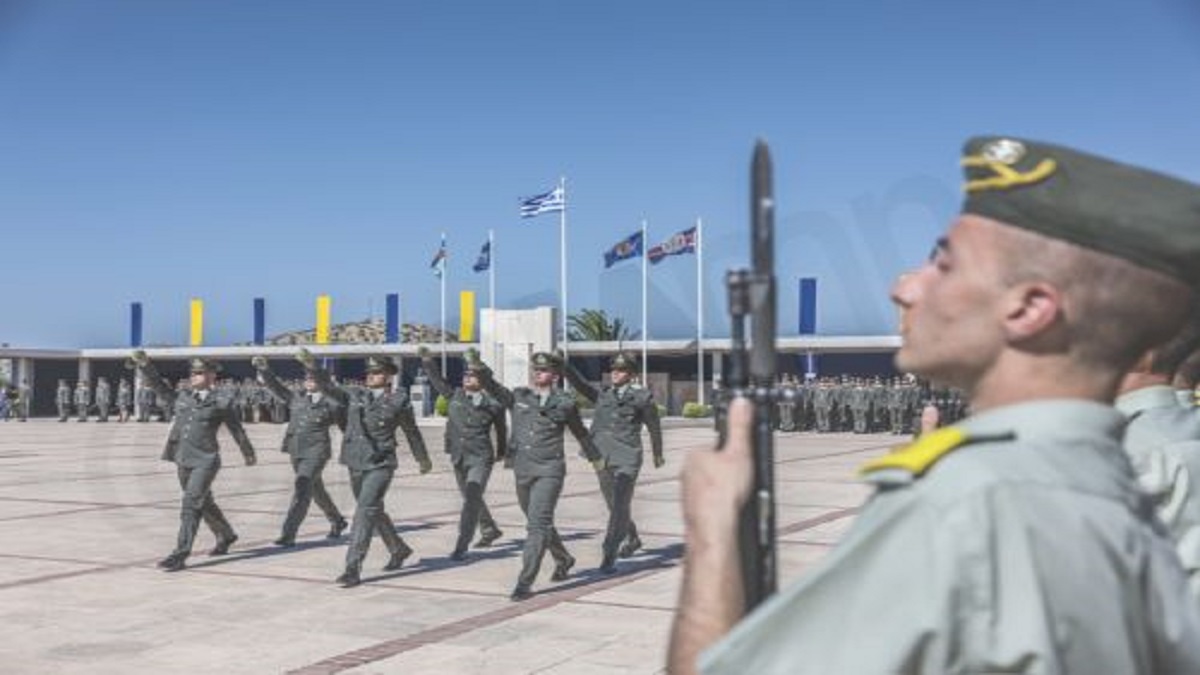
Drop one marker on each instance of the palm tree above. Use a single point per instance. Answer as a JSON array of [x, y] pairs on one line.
[[593, 325]]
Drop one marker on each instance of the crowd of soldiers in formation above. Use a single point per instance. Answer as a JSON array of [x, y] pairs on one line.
[[253, 402], [863, 405]]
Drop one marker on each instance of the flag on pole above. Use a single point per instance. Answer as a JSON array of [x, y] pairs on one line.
[[678, 244], [485, 257], [547, 202], [439, 260], [629, 247]]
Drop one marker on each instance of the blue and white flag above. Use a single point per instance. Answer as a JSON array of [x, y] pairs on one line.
[[485, 257], [439, 260], [678, 244], [629, 247], [547, 202]]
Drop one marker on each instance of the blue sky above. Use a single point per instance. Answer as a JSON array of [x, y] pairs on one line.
[[158, 151]]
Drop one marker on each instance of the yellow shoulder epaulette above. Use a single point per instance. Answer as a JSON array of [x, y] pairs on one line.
[[916, 457]]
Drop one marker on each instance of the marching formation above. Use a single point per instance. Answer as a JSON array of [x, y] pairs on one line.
[[370, 415]]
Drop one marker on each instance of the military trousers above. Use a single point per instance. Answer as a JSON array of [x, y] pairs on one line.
[[102, 412], [472, 479], [81, 413], [617, 487], [370, 487], [538, 496], [198, 504], [309, 486]]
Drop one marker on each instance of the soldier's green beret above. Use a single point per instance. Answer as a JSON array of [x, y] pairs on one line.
[[381, 364], [204, 366], [1147, 218], [623, 361], [544, 361]]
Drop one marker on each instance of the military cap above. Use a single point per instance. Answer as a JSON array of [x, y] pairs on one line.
[[381, 364], [476, 367], [623, 361], [545, 361], [1144, 217], [203, 366]]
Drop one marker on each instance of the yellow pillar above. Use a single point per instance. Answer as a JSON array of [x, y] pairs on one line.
[[323, 303], [466, 316], [197, 332]]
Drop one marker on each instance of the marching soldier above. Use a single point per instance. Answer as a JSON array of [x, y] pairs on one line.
[[192, 446], [83, 400], [621, 412], [540, 415], [24, 400], [471, 416], [372, 416], [103, 399], [306, 440], [146, 398], [124, 400]]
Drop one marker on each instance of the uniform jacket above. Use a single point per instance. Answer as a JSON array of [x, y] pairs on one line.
[[192, 441], [536, 442], [617, 421], [469, 422], [307, 435], [369, 438]]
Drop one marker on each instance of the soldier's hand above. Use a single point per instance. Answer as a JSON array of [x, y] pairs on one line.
[[251, 459], [139, 358], [426, 465], [659, 461], [259, 362], [471, 355], [716, 483], [599, 464], [423, 352], [305, 357]]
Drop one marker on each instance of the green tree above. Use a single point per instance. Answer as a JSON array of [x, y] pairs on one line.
[[593, 325]]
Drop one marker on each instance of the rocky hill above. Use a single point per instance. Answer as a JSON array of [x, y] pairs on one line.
[[363, 332]]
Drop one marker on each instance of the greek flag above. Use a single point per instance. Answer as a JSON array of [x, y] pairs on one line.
[[485, 258], [629, 247], [439, 260], [547, 202], [678, 244]]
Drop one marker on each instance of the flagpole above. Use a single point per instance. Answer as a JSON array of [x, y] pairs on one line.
[[442, 276], [700, 311], [491, 272], [645, 381], [562, 266]]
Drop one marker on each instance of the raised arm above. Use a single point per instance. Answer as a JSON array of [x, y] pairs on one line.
[[321, 377], [151, 377], [267, 377], [436, 380], [581, 385], [501, 393]]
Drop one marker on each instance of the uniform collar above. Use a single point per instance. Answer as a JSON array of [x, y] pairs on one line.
[[1147, 398], [1067, 419]]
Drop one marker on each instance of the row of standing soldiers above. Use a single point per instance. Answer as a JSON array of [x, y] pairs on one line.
[[252, 402], [862, 406]]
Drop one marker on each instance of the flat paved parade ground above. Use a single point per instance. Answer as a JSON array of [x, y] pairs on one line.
[[87, 509]]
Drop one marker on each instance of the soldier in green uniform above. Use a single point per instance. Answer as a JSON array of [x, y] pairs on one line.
[[1018, 540], [621, 412], [24, 400], [192, 446], [306, 441], [471, 416], [124, 400], [373, 414], [1163, 443], [83, 400], [103, 399], [62, 399], [540, 415]]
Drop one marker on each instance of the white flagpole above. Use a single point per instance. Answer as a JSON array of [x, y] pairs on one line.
[[442, 275], [700, 311], [491, 270], [562, 269], [645, 381]]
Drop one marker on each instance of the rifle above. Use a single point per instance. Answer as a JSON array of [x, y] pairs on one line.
[[752, 375]]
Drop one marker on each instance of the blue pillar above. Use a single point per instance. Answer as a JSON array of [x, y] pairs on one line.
[[808, 320], [392, 333], [260, 321], [135, 324]]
